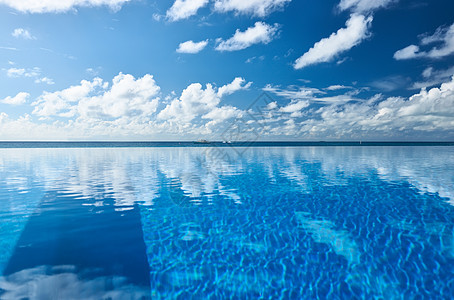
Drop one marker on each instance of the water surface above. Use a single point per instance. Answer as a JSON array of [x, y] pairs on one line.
[[170, 222]]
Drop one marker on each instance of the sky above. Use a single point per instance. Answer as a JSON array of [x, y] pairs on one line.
[[296, 70]]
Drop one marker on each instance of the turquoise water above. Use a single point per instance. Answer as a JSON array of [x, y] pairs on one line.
[[182, 222]]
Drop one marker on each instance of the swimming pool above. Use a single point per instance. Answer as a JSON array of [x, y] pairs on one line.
[[270, 222]]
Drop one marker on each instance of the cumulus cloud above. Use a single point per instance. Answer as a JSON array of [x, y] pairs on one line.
[[196, 101], [183, 9], [435, 105], [443, 36], [260, 8], [259, 33], [22, 33], [20, 98], [128, 109], [61, 103], [220, 114], [126, 97], [192, 47], [364, 6], [344, 39], [59, 6]]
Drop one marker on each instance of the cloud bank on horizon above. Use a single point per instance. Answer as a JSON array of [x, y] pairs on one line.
[[133, 107], [199, 66]]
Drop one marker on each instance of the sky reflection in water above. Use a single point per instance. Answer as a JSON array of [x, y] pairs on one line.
[[292, 222]]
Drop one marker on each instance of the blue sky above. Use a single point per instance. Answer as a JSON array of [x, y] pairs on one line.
[[190, 69]]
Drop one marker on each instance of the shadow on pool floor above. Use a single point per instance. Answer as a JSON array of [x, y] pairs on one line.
[[68, 246]]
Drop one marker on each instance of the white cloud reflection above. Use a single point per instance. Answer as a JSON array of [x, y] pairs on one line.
[[62, 282], [131, 175]]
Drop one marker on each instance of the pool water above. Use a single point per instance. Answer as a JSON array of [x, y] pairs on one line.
[[209, 222]]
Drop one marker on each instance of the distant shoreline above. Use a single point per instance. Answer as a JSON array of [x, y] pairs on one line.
[[144, 144]]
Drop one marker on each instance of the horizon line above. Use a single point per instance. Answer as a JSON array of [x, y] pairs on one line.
[[224, 142]]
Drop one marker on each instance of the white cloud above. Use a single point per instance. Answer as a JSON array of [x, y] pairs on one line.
[[259, 33], [237, 84], [435, 105], [444, 36], [124, 110], [427, 72], [294, 93], [428, 114], [364, 6], [434, 77], [357, 28], [337, 87], [344, 39], [220, 114], [15, 72], [128, 109], [93, 71], [59, 6], [28, 128], [20, 98], [157, 17], [271, 105], [9, 48], [295, 107], [391, 83], [407, 52], [252, 59], [192, 47], [312, 95], [29, 73], [183, 9], [260, 8], [126, 98], [61, 103], [46, 80], [22, 33], [34, 72], [19, 72], [196, 101]]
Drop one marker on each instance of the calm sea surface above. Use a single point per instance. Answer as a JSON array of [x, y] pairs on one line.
[[140, 222]]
